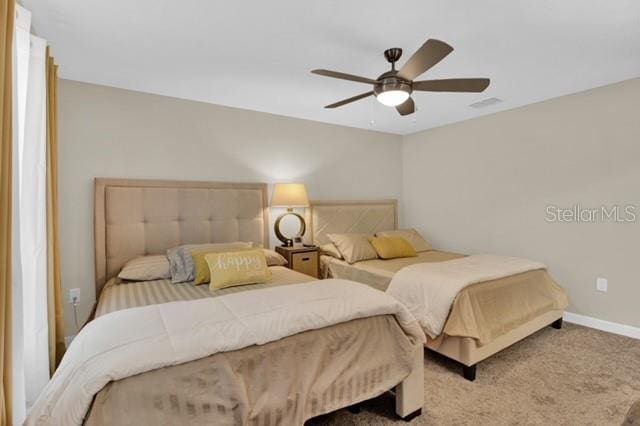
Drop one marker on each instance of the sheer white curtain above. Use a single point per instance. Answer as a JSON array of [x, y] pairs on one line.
[[17, 368], [30, 284]]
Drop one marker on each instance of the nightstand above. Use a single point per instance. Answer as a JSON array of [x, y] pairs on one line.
[[302, 259]]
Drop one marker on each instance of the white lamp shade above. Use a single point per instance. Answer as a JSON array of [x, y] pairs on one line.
[[392, 97], [289, 195]]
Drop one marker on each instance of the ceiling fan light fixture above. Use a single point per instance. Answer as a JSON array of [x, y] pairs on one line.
[[392, 97], [394, 87]]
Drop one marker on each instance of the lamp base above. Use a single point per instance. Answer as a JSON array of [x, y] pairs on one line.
[[288, 242]]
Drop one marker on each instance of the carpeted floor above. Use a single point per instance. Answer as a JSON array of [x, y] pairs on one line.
[[573, 376]]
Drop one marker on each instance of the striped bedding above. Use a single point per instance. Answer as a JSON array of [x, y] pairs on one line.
[[309, 374], [117, 294]]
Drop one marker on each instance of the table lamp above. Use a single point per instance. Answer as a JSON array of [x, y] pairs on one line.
[[289, 195]]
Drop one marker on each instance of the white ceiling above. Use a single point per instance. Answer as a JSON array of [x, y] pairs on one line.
[[257, 54]]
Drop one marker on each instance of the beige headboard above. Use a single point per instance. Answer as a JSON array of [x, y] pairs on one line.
[[368, 217], [141, 217]]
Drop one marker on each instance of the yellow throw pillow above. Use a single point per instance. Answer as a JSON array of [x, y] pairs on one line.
[[202, 269], [411, 235], [200, 265], [392, 247], [237, 268]]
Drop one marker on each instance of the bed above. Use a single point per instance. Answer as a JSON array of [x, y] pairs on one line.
[[163, 353], [465, 343]]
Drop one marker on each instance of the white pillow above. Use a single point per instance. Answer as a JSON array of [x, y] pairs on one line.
[[330, 250], [353, 247], [274, 259], [146, 268], [411, 235]]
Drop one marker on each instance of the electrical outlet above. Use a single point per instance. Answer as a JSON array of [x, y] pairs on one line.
[[602, 284], [74, 293]]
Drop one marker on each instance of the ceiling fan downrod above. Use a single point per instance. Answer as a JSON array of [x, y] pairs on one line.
[[392, 55]]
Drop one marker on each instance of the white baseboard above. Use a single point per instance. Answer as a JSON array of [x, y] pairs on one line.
[[598, 324]]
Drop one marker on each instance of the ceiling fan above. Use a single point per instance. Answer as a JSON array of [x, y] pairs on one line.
[[393, 88]]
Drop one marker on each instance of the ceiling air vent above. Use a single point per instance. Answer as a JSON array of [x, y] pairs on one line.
[[485, 103]]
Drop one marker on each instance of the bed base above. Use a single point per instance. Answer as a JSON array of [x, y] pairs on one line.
[[469, 372], [466, 351], [410, 392], [412, 416]]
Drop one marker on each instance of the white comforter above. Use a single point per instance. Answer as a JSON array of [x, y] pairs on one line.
[[132, 341], [429, 289]]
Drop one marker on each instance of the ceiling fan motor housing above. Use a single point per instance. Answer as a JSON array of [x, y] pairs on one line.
[[392, 55], [390, 81]]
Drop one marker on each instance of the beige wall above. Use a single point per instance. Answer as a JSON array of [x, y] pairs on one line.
[[117, 133], [476, 186], [483, 186]]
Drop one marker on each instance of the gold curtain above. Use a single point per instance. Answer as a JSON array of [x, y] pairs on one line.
[[54, 288], [6, 158]]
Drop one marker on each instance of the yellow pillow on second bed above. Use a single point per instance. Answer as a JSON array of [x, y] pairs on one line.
[[230, 269], [392, 247]]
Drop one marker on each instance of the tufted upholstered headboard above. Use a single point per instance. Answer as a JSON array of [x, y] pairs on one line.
[[141, 217], [366, 217]]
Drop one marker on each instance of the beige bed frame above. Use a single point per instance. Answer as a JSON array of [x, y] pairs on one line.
[[381, 215], [134, 217]]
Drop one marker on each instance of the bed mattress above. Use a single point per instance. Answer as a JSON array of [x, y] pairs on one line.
[[378, 273], [309, 374], [482, 311], [118, 294], [306, 375]]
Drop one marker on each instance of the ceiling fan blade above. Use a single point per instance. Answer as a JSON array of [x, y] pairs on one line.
[[407, 107], [452, 85], [349, 100], [429, 54], [344, 76]]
